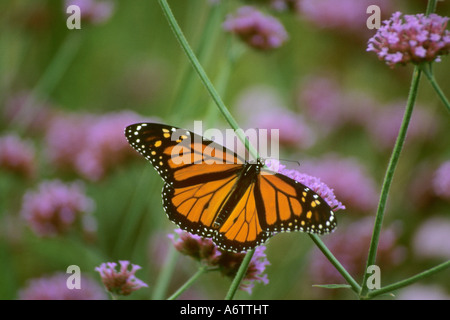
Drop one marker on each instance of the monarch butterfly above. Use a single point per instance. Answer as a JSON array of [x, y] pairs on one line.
[[213, 192]]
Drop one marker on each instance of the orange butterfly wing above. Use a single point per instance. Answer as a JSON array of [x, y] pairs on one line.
[[210, 191]]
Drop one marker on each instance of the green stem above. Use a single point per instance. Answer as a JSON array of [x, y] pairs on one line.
[[187, 284], [203, 76], [352, 282], [426, 68], [406, 282], [240, 275], [390, 174], [162, 283], [52, 75], [431, 7]]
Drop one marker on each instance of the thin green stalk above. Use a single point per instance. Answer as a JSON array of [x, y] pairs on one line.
[[411, 280], [203, 76], [426, 69], [431, 6], [187, 284], [183, 100], [162, 283], [395, 156], [339, 267], [52, 75], [240, 275]]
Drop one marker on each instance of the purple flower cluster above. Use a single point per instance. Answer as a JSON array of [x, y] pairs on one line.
[[93, 11], [17, 156], [348, 15], [122, 282], [413, 38], [205, 251], [310, 181], [441, 180], [323, 101], [89, 145], [261, 107], [55, 207], [256, 29], [432, 238], [349, 179], [54, 287]]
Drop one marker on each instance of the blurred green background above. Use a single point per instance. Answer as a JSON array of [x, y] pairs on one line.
[[133, 62]]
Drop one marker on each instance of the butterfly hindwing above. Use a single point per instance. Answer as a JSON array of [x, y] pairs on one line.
[[291, 206]]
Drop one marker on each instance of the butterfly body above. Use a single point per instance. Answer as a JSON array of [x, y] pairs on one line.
[[213, 192]]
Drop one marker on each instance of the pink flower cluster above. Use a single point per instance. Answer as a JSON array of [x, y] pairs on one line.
[[205, 251], [413, 38], [54, 287], [55, 207], [17, 155], [89, 145], [256, 29], [122, 282]]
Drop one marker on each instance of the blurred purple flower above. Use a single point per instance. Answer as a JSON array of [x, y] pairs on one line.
[[348, 178], [205, 251], [262, 108], [55, 288], [256, 29], [229, 263], [194, 246], [349, 15], [432, 239], [90, 145], [411, 38], [122, 282], [441, 180], [312, 182], [55, 207], [350, 247], [384, 125], [17, 156], [93, 11], [423, 292], [323, 100]]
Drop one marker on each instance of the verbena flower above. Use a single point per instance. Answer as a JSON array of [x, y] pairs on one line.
[[384, 124], [206, 252], [17, 155], [310, 181], [432, 238], [55, 207], [423, 292], [325, 102], [411, 38], [122, 282], [90, 145], [229, 263], [54, 287], [441, 180], [348, 15], [194, 246], [349, 179], [93, 11], [259, 31], [261, 107]]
